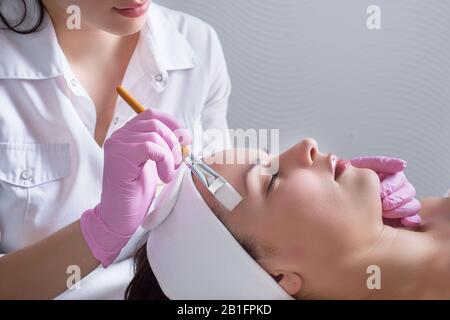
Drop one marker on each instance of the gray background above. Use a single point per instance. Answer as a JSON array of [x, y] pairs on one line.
[[313, 69]]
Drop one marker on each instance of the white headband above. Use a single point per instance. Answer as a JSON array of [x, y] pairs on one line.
[[194, 256]]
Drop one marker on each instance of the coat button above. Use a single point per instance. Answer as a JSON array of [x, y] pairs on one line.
[[26, 174], [159, 78]]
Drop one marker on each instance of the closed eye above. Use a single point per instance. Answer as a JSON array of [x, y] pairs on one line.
[[272, 182]]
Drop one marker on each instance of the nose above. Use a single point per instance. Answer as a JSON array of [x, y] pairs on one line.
[[304, 154], [308, 151]]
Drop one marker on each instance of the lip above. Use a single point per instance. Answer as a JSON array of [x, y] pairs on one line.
[[133, 10], [341, 166]]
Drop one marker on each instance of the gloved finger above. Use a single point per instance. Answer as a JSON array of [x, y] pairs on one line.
[[165, 132], [150, 114], [398, 198], [383, 176], [140, 152], [412, 221], [409, 209], [166, 167], [152, 137], [184, 136], [392, 183], [380, 164]]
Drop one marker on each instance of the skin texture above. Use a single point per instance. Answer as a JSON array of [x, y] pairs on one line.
[[319, 235]]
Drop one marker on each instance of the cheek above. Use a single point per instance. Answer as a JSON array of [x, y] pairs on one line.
[[94, 13], [307, 196], [302, 187], [316, 218], [87, 7], [89, 4], [301, 208], [312, 208]]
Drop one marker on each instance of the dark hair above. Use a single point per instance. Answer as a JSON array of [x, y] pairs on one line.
[[145, 286], [25, 18]]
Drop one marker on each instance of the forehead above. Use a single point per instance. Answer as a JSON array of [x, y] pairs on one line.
[[234, 157], [233, 165]]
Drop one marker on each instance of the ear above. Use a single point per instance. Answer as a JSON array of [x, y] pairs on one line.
[[290, 281]]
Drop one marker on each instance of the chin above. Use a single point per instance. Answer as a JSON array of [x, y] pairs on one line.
[[125, 30], [121, 26], [372, 186], [374, 180], [364, 182]]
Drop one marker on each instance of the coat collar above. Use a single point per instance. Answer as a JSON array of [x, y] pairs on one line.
[[171, 48], [30, 56], [39, 56]]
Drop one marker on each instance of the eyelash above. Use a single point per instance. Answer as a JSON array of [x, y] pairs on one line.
[[272, 182]]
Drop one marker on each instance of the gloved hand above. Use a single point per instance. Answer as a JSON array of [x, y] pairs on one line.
[[397, 194], [134, 156]]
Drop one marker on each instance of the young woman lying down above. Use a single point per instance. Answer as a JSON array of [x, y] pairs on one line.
[[311, 231]]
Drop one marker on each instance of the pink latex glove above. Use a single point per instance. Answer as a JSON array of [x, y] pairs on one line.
[[400, 207], [134, 156]]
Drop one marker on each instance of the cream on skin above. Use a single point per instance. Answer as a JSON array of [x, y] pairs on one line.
[[319, 234]]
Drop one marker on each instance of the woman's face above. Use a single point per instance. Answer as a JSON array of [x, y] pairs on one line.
[[310, 223], [121, 17]]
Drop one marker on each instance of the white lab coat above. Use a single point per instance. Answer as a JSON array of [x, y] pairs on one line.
[[50, 164]]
